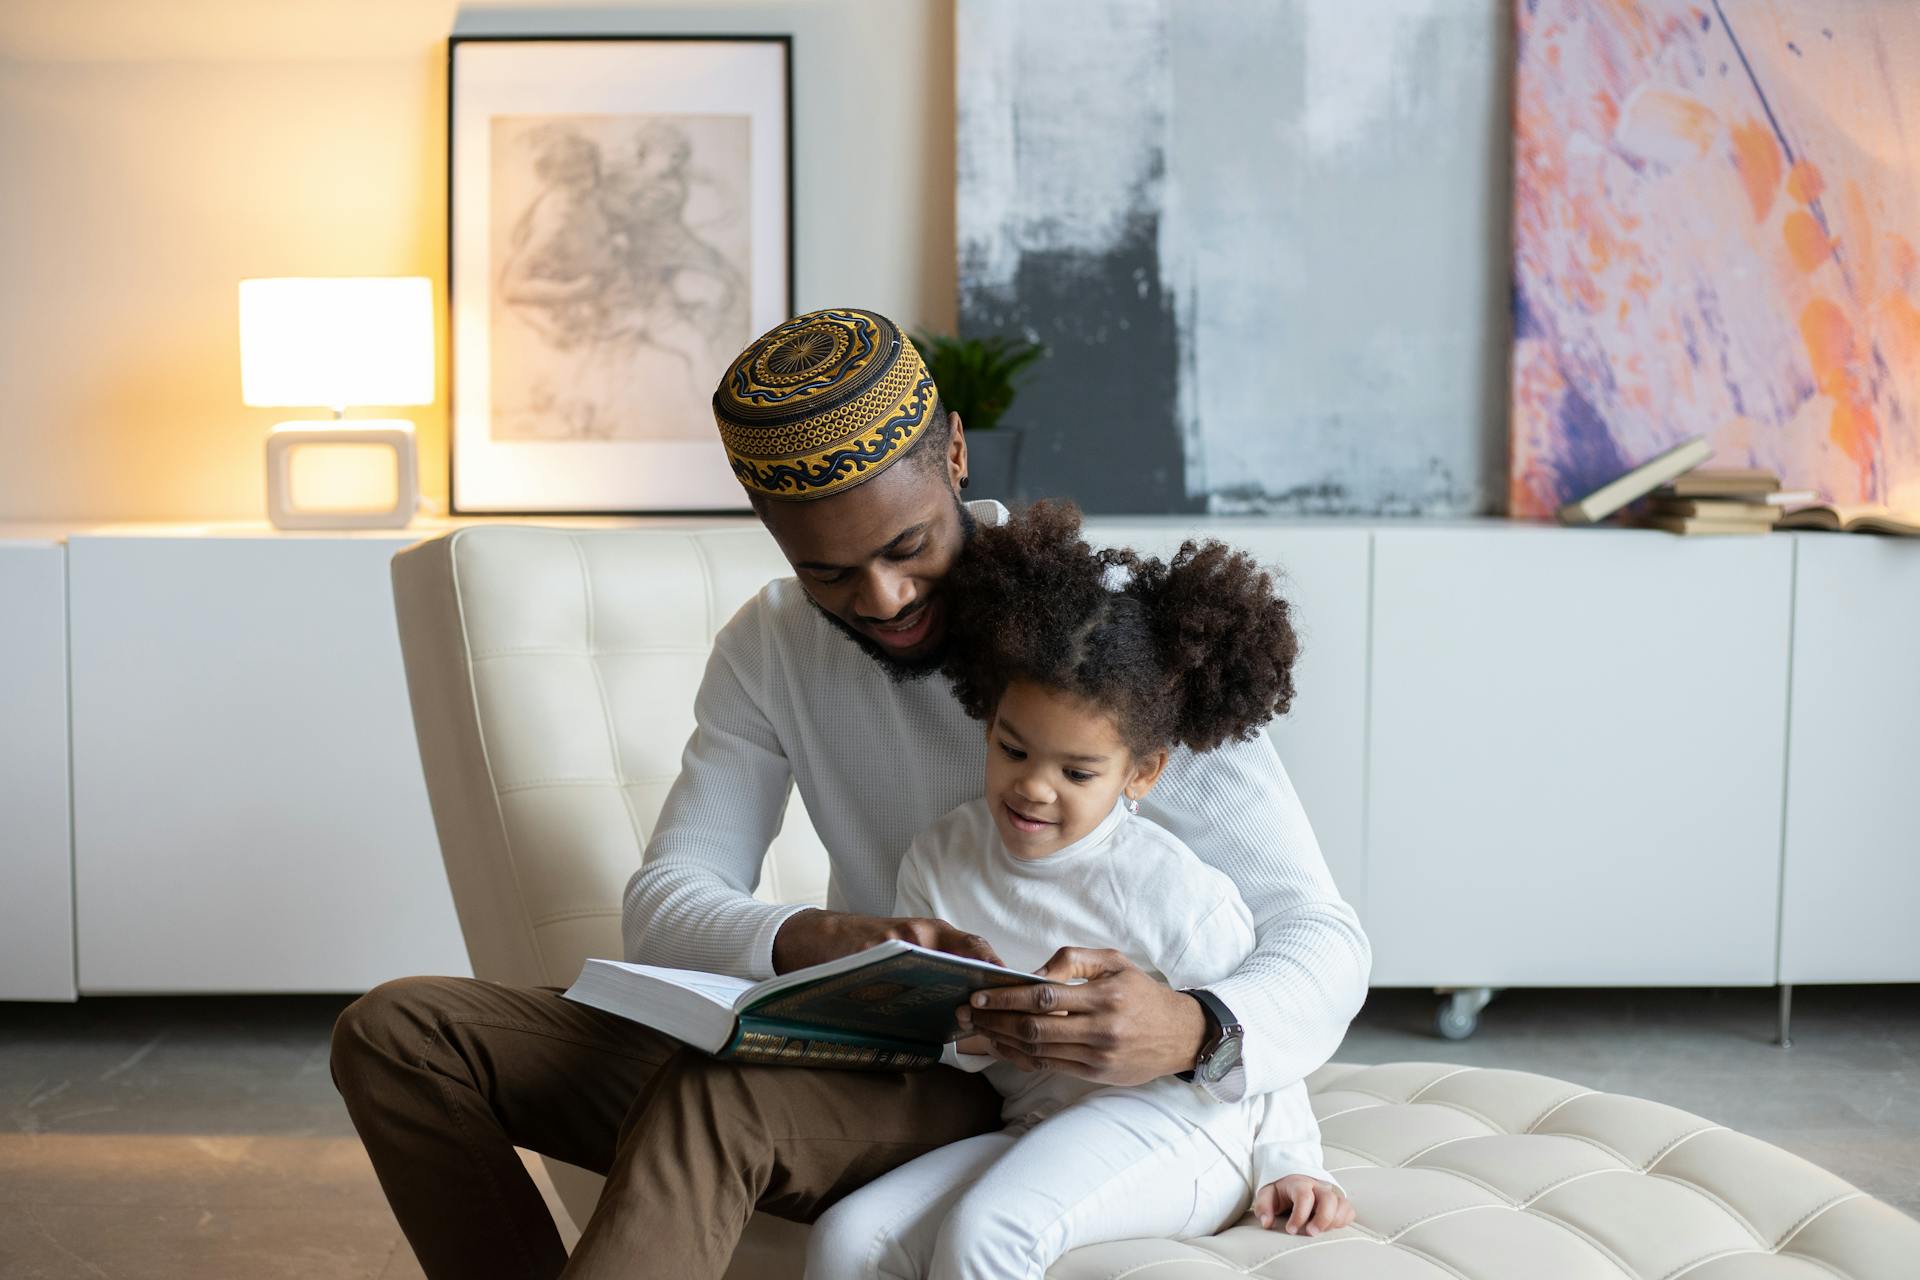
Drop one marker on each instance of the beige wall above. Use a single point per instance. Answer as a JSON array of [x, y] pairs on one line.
[[153, 155]]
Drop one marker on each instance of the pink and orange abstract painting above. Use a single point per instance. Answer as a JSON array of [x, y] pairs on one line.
[[1716, 217]]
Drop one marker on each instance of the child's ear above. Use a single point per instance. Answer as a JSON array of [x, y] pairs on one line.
[[1146, 772]]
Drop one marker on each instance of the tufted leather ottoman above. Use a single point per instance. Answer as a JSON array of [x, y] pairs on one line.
[[1462, 1173]]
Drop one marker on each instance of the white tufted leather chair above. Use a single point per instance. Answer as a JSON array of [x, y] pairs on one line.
[[552, 675]]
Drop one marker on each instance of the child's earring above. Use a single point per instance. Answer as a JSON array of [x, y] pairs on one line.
[[1133, 806]]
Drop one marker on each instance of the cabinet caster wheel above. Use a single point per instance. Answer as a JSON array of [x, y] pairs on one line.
[[1453, 1022], [1458, 1014]]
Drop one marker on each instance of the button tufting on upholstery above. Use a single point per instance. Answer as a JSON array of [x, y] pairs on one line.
[[1464, 1173], [586, 652]]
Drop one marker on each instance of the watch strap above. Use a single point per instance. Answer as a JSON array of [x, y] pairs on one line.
[[1216, 1008], [1221, 1022]]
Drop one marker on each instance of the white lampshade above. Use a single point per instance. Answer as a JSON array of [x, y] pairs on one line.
[[336, 341]]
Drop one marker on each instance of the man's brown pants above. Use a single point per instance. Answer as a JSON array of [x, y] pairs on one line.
[[444, 1077]]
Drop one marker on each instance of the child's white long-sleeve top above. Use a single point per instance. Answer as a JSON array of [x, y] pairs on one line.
[[1129, 885]]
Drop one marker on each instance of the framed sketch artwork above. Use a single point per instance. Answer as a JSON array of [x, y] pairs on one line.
[[619, 227]]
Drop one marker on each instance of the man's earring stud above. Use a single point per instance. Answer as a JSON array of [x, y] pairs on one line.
[[963, 482]]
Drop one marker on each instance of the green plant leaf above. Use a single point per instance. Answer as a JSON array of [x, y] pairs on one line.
[[976, 376]]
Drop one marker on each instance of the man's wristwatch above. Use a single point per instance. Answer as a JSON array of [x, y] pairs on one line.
[[1221, 1049]]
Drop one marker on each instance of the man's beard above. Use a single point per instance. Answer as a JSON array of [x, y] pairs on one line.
[[903, 670]]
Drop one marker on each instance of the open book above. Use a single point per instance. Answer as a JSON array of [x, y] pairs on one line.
[[1846, 517], [888, 1008]]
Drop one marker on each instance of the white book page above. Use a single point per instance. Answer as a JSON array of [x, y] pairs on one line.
[[716, 987], [859, 960]]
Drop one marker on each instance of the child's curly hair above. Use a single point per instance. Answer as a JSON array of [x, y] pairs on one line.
[[1196, 652]]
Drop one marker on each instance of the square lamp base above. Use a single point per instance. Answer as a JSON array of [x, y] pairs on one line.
[[359, 474]]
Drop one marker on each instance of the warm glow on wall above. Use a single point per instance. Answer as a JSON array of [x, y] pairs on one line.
[[336, 341]]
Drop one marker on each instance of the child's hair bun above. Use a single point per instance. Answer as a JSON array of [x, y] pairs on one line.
[[1198, 651], [1225, 639]]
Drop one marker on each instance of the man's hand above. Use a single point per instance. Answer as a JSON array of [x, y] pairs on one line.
[[1316, 1206], [1120, 1027], [814, 937]]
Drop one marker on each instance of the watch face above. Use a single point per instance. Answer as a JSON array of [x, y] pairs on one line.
[[1222, 1061]]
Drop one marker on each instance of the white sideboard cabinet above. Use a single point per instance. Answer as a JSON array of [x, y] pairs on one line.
[[1850, 892], [248, 808], [1533, 756], [36, 866], [1577, 742]]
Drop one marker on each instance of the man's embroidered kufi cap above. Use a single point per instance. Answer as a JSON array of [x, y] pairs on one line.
[[822, 403]]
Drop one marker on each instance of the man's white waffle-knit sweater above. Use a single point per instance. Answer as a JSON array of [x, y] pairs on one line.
[[788, 700]]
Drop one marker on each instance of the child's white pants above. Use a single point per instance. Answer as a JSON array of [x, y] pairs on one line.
[[1115, 1165]]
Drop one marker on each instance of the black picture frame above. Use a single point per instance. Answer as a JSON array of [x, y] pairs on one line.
[[707, 495]]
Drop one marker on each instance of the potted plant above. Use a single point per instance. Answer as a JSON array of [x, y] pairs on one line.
[[976, 380]]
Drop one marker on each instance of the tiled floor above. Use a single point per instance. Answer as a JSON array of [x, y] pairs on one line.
[[202, 1137]]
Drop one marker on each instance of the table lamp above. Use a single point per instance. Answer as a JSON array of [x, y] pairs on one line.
[[337, 342]]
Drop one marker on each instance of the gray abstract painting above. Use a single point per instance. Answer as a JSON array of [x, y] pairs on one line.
[[1265, 243]]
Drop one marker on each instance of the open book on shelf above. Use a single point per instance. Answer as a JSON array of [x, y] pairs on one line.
[[888, 1008], [1851, 517]]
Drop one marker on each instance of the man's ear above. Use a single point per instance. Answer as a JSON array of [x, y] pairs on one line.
[[956, 451], [1146, 772]]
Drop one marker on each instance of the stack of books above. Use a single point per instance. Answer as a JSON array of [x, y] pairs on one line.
[[1686, 498], [1725, 500], [1637, 483]]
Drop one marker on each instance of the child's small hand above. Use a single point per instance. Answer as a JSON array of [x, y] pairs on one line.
[[1317, 1206], [974, 1044]]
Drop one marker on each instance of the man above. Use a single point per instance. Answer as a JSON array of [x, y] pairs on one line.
[[834, 427]]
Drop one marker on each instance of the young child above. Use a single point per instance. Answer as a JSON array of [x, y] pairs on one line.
[[1085, 681]]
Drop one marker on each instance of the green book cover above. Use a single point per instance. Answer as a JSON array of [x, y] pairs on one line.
[[765, 1041], [909, 997]]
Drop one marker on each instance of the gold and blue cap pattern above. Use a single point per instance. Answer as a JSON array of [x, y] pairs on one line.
[[824, 402]]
